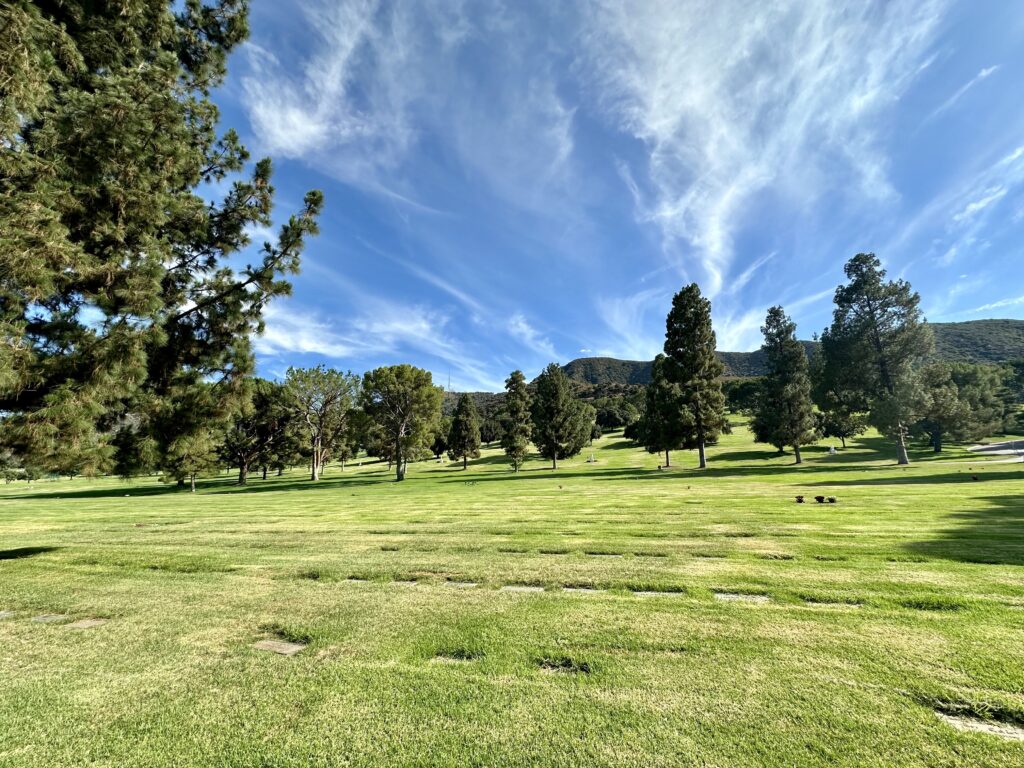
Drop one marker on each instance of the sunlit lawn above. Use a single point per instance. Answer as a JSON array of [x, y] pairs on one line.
[[903, 598]]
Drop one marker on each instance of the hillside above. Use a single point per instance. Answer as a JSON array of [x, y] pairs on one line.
[[976, 341], [980, 341], [608, 370]]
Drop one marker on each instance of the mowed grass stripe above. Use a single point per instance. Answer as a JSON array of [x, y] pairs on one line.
[[901, 600]]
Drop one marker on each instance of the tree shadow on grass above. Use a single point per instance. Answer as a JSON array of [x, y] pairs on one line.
[[992, 534], [215, 487], [546, 473], [20, 552], [619, 445], [333, 483], [966, 476]]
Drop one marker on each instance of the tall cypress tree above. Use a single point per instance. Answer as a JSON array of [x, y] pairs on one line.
[[875, 342], [117, 292], [784, 414], [464, 436], [561, 423], [518, 424], [691, 363]]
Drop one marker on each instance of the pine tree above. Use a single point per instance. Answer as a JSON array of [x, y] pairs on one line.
[[691, 364], [666, 421], [941, 410], [983, 389], [464, 437], [440, 444], [259, 430], [784, 414], [405, 406], [277, 429], [561, 423], [876, 340], [841, 410], [518, 423], [117, 290], [192, 455]]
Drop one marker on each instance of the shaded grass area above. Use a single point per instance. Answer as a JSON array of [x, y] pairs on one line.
[[902, 600]]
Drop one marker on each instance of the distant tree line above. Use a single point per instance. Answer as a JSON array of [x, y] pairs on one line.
[[873, 367]]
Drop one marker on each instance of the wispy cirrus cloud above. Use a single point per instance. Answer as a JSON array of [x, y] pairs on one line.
[[634, 324], [949, 103], [374, 80], [1002, 303], [963, 215], [731, 100], [381, 332], [530, 337]]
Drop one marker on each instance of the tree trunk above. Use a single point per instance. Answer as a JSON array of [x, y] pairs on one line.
[[243, 474], [554, 462], [668, 459], [264, 471], [280, 471], [315, 461], [796, 450], [465, 462], [192, 481], [843, 439], [399, 461], [901, 445], [937, 442], [703, 458], [181, 482]]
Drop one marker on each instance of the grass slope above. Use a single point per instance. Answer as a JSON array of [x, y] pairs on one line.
[[903, 599]]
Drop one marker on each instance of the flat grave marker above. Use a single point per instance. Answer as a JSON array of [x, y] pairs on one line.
[[282, 647], [741, 597], [975, 725], [87, 623]]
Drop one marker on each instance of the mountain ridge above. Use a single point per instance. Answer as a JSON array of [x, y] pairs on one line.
[[975, 341]]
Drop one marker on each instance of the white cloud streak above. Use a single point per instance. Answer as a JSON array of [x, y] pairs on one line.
[[374, 78], [952, 100], [1011, 302], [732, 99], [380, 329], [521, 330]]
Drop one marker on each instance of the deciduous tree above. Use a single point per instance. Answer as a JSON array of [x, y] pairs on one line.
[[406, 406], [323, 399]]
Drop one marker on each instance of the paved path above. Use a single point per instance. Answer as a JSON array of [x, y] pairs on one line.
[[1007, 448]]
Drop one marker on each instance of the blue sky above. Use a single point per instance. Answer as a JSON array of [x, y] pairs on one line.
[[511, 183]]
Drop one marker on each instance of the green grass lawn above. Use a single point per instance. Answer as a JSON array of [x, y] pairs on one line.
[[904, 599]]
